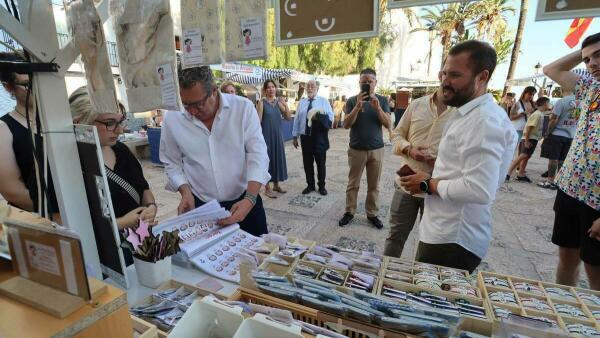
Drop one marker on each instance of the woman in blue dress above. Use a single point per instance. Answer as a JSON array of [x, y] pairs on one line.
[[270, 110]]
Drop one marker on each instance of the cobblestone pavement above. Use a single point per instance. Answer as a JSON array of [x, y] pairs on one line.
[[522, 213]]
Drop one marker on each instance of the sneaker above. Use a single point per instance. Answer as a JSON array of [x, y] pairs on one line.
[[323, 191], [547, 185], [376, 222], [524, 179], [346, 219], [545, 175], [308, 190]]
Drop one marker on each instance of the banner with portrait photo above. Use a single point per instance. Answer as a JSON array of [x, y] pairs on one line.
[[245, 30], [567, 9], [200, 32], [300, 21]]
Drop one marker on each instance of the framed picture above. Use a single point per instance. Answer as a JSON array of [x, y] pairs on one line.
[[413, 3], [300, 21], [567, 9]]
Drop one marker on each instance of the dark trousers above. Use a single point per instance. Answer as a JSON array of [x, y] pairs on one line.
[[450, 254], [255, 222], [310, 156]]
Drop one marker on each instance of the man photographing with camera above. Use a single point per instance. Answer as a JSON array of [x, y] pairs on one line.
[[366, 113]]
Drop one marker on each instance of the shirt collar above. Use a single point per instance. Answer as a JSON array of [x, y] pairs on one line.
[[469, 106]]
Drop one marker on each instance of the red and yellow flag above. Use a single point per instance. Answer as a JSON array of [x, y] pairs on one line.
[[576, 31]]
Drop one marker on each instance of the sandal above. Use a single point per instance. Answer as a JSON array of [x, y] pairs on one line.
[[279, 189], [270, 194]]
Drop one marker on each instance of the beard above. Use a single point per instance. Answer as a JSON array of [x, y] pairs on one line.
[[457, 97]]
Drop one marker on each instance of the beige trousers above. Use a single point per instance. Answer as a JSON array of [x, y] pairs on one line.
[[358, 160]]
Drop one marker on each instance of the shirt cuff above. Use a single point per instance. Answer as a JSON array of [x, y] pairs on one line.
[[442, 189], [400, 146], [258, 175], [175, 182]]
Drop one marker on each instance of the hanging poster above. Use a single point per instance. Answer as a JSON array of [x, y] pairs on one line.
[[413, 3], [252, 38], [300, 21], [201, 32], [88, 36], [567, 9], [168, 89], [245, 33], [145, 42]]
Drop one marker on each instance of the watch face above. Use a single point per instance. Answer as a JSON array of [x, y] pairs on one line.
[[424, 186]]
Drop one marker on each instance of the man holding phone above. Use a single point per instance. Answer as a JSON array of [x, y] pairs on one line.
[[366, 113], [474, 154], [417, 136]]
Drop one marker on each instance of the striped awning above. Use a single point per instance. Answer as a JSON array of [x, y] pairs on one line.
[[259, 77]]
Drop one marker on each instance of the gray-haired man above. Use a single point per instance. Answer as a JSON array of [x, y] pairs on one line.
[[214, 149]]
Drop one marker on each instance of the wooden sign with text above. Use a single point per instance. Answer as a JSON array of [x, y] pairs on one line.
[[309, 21], [567, 9]]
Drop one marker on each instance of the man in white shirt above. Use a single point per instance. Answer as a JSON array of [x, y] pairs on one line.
[[214, 150], [314, 138], [473, 157]]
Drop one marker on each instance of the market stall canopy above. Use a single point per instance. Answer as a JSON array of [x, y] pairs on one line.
[[411, 83], [249, 74]]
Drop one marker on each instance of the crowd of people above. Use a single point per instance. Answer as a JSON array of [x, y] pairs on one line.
[[457, 147]]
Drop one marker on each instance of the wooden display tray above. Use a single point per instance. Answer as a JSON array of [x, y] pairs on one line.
[[477, 325], [551, 300], [351, 328], [143, 328]]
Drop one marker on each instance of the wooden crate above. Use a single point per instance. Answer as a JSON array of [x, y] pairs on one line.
[[350, 328], [550, 299], [482, 325], [143, 328]]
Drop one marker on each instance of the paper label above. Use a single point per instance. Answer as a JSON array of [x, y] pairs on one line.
[[167, 86], [192, 47], [252, 37], [42, 257]]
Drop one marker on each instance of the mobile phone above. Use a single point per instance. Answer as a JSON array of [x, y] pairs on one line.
[[365, 88], [405, 171]]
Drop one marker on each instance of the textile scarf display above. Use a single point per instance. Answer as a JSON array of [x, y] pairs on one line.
[[86, 28], [146, 45], [245, 30], [201, 32]]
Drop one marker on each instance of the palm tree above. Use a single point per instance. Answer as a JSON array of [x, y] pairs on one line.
[[517, 46], [491, 17]]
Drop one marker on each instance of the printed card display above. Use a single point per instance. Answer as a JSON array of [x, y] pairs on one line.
[[252, 37]]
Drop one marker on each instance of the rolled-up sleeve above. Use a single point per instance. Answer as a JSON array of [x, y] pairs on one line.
[[257, 159], [171, 155], [400, 134], [483, 149]]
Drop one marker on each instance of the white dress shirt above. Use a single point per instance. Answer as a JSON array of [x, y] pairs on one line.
[[320, 103], [217, 163], [473, 158]]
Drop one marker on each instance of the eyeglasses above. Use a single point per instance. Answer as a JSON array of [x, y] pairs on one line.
[[198, 104], [111, 125]]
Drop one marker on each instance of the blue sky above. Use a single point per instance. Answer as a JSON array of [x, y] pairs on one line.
[[542, 42]]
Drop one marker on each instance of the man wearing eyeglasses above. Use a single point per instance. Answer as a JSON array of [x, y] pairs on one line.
[[18, 179], [214, 150]]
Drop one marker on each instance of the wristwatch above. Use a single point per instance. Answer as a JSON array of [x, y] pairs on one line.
[[425, 186]]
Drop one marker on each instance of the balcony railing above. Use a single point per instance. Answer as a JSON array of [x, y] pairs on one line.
[[63, 39]]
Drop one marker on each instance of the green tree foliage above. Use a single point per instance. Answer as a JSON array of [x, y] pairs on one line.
[[331, 58]]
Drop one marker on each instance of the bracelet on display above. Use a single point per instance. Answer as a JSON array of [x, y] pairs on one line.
[[496, 281], [527, 287], [151, 203], [569, 310], [252, 198], [535, 303]]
